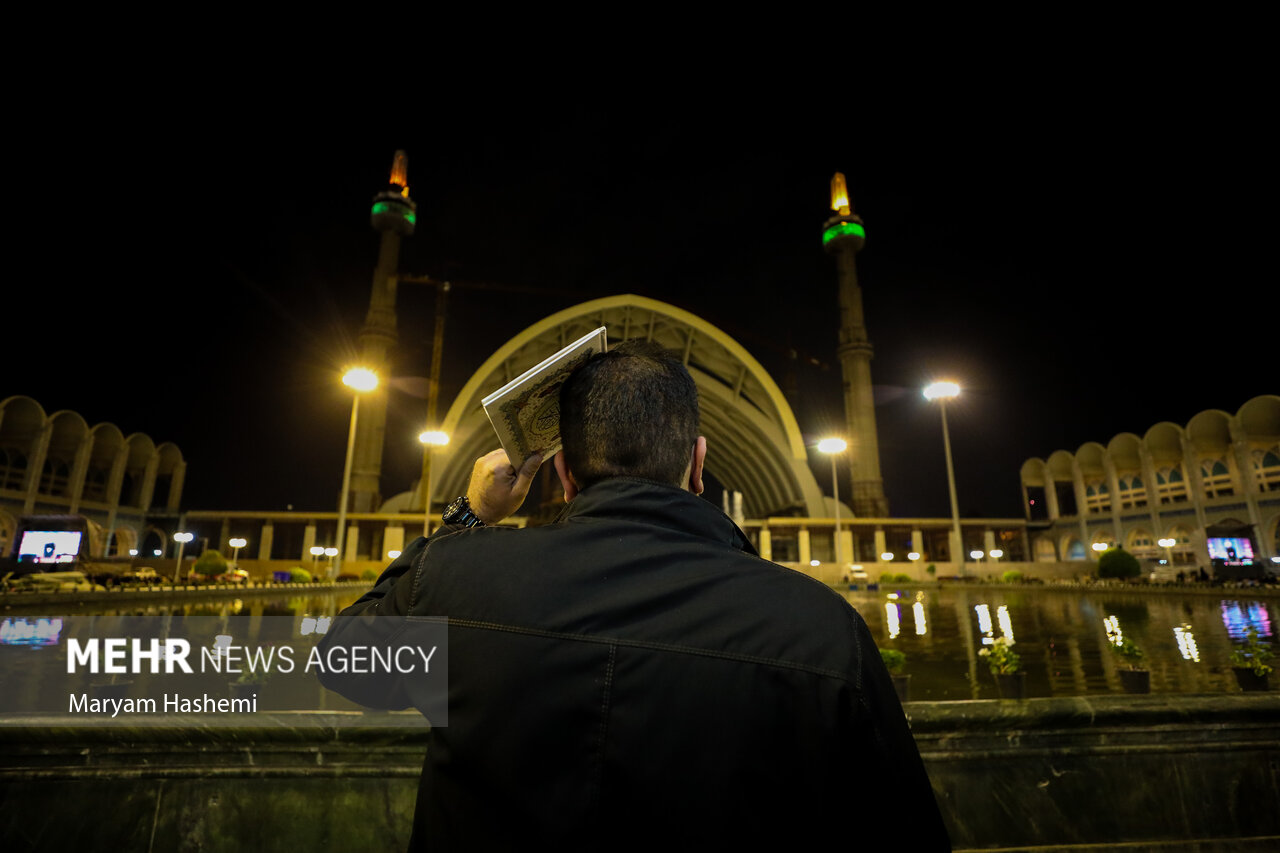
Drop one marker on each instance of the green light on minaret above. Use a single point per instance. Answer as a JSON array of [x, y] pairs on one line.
[[383, 207], [843, 229]]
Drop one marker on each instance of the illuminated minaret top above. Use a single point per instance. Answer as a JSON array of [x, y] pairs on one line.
[[844, 236], [393, 215]]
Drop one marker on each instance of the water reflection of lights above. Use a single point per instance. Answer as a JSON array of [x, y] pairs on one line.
[[1239, 620], [1114, 634], [1006, 624], [20, 632], [984, 623], [986, 627], [1186, 643], [891, 617], [917, 613]]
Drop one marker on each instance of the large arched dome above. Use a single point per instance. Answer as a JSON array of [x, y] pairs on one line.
[[755, 445]]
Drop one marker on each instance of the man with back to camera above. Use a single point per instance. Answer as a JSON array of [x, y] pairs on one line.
[[633, 675]]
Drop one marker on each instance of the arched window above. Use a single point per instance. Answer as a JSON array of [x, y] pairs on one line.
[[1268, 469], [15, 471], [1217, 478], [55, 478]]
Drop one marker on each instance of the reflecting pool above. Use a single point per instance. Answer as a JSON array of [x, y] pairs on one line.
[[1061, 637]]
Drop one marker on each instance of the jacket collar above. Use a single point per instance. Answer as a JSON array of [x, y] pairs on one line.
[[634, 499]]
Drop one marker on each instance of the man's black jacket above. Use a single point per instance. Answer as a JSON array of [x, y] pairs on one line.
[[632, 676]]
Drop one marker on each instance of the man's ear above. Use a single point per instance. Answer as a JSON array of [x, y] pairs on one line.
[[695, 465], [566, 477]]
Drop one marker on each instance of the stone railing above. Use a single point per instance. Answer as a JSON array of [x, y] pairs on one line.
[[1041, 774]]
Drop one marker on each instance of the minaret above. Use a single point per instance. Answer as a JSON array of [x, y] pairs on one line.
[[392, 216], [844, 236]]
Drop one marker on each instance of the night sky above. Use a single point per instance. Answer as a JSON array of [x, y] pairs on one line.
[[1081, 266]]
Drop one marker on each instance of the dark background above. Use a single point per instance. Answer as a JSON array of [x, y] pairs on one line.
[[1082, 258]]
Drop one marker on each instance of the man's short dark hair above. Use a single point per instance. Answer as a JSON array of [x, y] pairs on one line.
[[629, 412]]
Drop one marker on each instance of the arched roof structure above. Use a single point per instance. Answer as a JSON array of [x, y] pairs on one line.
[[754, 442]]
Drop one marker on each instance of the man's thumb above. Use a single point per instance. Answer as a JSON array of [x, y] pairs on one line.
[[528, 469]]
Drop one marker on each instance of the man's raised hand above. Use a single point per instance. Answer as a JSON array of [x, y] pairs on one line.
[[497, 489]]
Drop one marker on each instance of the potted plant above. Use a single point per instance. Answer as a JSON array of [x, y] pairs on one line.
[[895, 661], [1011, 681], [1134, 678], [249, 683], [1250, 663]]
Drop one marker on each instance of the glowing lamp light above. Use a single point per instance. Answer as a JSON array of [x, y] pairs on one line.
[[977, 555], [183, 537], [156, 552], [1167, 543], [815, 563], [1275, 559], [913, 556], [331, 552], [887, 556], [317, 550], [237, 543], [393, 554], [360, 378], [133, 552], [832, 445], [1100, 546], [434, 437], [997, 553], [941, 391]]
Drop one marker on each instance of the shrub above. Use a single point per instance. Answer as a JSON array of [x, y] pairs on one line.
[[887, 577], [368, 575], [1012, 576], [299, 575], [1001, 657], [894, 660], [1253, 655], [210, 563], [1118, 563], [1128, 652], [902, 578], [933, 570]]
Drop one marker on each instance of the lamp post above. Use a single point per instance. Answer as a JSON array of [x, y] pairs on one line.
[[996, 554], [431, 439], [1168, 544], [237, 544], [943, 391], [316, 552], [359, 379], [182, 539], [331, 553], [832, 446]]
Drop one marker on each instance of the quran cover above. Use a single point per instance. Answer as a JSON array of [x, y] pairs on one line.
[[525, 412]]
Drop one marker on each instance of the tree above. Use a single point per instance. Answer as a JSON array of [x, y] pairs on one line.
[[210, 563], [1118, 563]]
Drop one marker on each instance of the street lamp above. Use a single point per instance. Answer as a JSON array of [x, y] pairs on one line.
[[331, 553], [431, 439], [359, 379], [996, 554], [942, 392], [1167, 544], [316, 552], [237, 544], [182, 539], [832, 446], [976, 555], [913, 556]]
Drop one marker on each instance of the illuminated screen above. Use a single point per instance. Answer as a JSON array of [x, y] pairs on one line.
[[1231, 549], [49, 546]]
